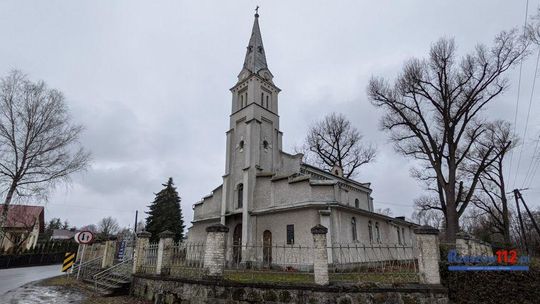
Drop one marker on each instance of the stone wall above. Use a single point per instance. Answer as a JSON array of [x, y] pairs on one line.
[[176, 290], [466, 245]]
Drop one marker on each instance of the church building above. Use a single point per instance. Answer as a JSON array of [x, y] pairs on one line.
[[269, 196]]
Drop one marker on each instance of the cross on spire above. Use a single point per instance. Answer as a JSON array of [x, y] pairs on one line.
[[257, 11]]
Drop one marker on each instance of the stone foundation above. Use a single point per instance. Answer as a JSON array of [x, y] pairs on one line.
[[176, 290]]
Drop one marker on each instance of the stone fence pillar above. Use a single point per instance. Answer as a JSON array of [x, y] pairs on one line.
[[164, 254], [428, 255], [143, 239], [214, 254], [320, 255], [108, 253]]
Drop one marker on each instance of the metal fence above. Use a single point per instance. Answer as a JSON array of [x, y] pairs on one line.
[[269, 263], [149, 260], [357, 262], [186, 260]]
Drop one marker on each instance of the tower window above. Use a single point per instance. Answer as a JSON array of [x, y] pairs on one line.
[[265, 145], [266, 101], [262, 97], [242, 101], [240, 195], [241, 145], [356, 203], [353, 227], [398, 235]]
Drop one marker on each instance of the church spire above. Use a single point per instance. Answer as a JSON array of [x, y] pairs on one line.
[[255, 61]]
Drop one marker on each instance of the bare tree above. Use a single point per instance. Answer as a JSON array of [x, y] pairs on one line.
[[432, 112], [92, 228], [108, 226], [334, 142], [385, 211], [38, 142], [491, 197], [425, 214]]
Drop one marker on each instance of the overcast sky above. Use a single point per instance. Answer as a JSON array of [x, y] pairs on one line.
[[150, 81]]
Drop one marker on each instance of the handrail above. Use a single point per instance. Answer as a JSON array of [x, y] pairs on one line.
[[111, 268], [81, 265], [109, 271], [90, 261]]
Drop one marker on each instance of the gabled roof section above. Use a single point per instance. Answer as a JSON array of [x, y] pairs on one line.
[[329, 175], [24, 216]]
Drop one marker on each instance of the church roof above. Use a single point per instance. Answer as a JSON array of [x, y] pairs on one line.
[[255, 60], [330, 175]]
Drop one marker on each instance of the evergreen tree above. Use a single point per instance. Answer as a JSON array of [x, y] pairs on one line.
[[165, 213]]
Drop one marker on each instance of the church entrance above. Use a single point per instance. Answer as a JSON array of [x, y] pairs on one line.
[[267, 248], [237, 244]]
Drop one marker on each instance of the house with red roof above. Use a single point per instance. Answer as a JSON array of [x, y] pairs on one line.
[[22, 228]]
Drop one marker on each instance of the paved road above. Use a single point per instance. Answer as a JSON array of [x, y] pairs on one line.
[[15, 277]]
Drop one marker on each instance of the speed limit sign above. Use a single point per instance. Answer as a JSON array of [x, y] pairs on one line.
[[84, 237]]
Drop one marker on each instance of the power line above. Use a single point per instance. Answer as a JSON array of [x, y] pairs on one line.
[[518, 90], [532, 166], [528, 115]]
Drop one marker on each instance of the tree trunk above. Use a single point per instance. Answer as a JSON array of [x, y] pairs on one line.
[[452, 224], [7, 202]]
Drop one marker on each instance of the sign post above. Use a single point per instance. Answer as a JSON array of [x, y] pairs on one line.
[[83, 238]]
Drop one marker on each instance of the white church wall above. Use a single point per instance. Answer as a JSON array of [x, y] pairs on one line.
[[197, 232], [323, 193], [262, 195], [342, 225], [302, 219], [265, 154], [286, 193]]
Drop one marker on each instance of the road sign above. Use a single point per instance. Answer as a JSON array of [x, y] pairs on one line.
[[84, 237], [121, 250], [69, 260]]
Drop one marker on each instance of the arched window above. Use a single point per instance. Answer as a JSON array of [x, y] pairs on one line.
[[370, 232], [267, 101], [353, 227], [377, 232], [262, 98], [265, 144], [240, 195], [357, 203], [242, 101]]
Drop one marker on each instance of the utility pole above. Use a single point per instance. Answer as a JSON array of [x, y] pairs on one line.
[[523, 235], [528, 212], [136, 214]]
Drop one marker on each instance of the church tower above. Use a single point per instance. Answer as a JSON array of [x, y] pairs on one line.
[[253, 138]]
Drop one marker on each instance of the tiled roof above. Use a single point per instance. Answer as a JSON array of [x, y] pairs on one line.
[[24, 216]]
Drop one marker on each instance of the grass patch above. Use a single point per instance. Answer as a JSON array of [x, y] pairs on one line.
[[61, 280], [373, 277], [269, 277], [307, 278]]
